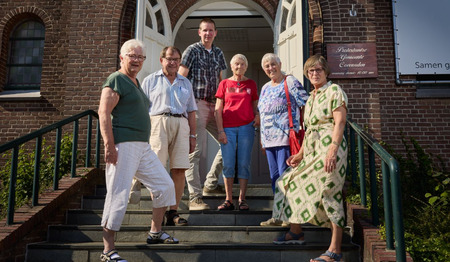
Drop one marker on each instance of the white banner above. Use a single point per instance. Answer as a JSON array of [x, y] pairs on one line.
[[423, 36]]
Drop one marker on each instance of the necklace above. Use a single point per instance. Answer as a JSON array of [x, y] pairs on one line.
[[237, 80]]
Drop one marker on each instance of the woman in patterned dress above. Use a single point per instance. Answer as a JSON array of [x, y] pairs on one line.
[[310, 190], [273, 109]]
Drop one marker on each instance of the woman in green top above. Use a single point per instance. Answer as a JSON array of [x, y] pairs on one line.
[[125, 128]]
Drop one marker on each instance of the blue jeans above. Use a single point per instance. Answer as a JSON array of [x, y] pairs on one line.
[[240, 143], [276, 158]]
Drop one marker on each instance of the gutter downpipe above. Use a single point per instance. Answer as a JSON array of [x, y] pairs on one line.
[[140, 6], [305, 34]]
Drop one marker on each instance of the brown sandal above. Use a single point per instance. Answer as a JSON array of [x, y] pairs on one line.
[[173, 219], [243, 206], [226, 205]]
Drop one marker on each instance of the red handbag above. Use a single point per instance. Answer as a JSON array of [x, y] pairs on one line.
[[295, 138]]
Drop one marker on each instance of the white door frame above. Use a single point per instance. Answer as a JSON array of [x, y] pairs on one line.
[[288, 45], [153, 40]]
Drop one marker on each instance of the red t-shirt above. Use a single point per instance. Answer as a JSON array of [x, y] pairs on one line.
[[238, 97]]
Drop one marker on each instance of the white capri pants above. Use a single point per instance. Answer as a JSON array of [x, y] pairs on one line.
[[135, 159]]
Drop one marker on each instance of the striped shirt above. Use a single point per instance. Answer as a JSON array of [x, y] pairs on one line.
[[204, 69]]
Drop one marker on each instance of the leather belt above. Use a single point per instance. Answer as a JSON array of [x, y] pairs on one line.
[[170, 114]]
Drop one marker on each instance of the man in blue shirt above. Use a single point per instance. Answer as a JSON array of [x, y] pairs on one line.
[[203, 64], [172, 116]]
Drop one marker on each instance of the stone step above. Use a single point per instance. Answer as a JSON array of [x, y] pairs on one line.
[[255, 202], [252, 190], [195, 218], [211, 235], [186, 252], [187, 234]]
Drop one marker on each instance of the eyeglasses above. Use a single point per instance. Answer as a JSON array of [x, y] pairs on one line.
[[318, 71], [172, 60], [140, 58]]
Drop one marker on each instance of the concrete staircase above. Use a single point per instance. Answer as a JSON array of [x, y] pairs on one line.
[[211, 235]]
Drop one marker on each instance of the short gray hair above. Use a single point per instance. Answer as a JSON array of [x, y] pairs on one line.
[[239, 56], [269, 57], [130, 45]]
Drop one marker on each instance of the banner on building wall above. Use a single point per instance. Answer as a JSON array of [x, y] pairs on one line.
[[421, 29], [352, 60]]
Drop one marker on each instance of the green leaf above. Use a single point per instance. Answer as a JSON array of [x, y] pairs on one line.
[[446, 181], [432, 200]]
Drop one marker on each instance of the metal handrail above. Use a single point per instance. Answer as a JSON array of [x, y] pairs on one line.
[[15, 144], [391, 186]]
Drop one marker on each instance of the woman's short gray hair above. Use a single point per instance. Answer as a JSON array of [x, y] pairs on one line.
[[239, 56], [269, 57], [131, 45]]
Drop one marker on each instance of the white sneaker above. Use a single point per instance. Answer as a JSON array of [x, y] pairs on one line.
[[272, 222], [219, 190], [198, 204]]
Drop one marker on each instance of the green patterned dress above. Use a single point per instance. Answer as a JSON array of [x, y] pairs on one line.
[[306, 193]]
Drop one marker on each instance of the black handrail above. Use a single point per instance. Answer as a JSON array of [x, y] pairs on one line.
[[16, 143], [391, 186]]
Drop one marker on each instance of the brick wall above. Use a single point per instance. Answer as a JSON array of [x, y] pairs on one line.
[[386, 109], [31, 223], [80, 51], [83, 37], [21, 117]]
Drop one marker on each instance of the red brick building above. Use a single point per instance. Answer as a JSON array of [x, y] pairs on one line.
[[75, 45]]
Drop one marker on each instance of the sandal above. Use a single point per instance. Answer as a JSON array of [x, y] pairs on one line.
[[226, 205], [334, 256], [294, 241], [243, 206], [173, 219], [161, 238], [109, 256]]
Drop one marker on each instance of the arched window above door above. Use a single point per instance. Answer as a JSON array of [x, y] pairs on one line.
[[26, 48], [288, 15], [153, 17]]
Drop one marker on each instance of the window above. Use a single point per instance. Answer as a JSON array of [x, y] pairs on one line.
[[24, 66], [288, 16], [153, 17]]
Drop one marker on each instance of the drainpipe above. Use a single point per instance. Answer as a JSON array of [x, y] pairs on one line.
[[305, 29], [140, 8]]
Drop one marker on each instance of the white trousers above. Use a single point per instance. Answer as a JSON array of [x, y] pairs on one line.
[[135, 159]]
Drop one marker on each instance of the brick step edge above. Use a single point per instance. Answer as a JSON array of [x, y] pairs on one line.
[[373, 247], [30, 223]]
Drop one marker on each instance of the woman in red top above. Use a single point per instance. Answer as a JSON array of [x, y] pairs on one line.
[[236, 118]]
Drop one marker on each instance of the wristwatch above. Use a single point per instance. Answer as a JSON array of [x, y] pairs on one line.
[[193, 136]]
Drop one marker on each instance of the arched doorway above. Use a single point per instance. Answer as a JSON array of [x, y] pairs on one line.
[[243, 27]]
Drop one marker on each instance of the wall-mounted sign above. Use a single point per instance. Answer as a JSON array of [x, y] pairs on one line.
[[422, 36], [352, 60]]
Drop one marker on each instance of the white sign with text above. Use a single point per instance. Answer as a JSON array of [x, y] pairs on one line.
[[423, 36]]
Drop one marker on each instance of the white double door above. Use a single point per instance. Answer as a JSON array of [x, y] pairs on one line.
[[154, 29]]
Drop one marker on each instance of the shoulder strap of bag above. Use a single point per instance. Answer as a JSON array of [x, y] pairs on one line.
[[291, 124]]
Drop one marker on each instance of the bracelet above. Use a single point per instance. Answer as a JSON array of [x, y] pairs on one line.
[[193, 136], [336, 143]]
